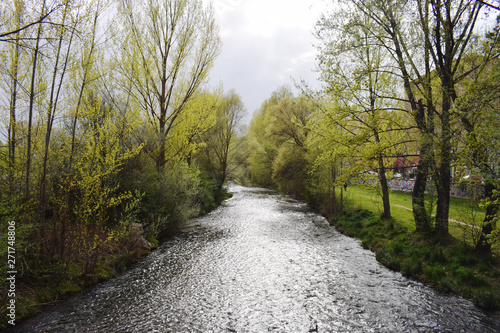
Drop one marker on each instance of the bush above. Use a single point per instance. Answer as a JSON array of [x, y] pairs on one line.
[[367, 241], [206, 195], [412, 266], [398, 246], [485, 298], [463, 255], [388, 259], [170, 197], [437, 255], [467, 277], [435, 274]]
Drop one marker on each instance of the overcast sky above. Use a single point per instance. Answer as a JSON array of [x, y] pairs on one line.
[[266, 43]]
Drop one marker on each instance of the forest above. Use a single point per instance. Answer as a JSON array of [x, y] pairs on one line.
[[111, 138]]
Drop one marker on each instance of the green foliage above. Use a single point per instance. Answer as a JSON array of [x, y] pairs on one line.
[[225, 151], [435, 273], [486, 298], [153, 241], [463, 255], [467, 277], [290, 170], [412, 266], [170, 197], [277, 136], [107, 146]]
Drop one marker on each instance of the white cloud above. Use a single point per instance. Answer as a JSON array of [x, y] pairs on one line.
[[266, 43]]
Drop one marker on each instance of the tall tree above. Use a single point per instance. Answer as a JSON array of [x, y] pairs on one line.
[[222, 154], [13, 93], [63, 48], [13, 34], [168, 50], [36, 53], [356, 74], [263, 148], [428, 41], [479, 113]]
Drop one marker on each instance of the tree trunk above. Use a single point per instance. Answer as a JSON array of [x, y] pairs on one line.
[[12, 121], [160, 160], [422, 223], [443, 174], [385, 188], [30, 116], [483, 245], [52, 108]]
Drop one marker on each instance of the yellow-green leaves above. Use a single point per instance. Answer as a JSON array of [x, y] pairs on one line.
[[186, 137], [168, 48]]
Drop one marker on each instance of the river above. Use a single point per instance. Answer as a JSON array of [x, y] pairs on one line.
[[262, 262]]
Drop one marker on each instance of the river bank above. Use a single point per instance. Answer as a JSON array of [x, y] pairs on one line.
[[36, 293], [443, 262]]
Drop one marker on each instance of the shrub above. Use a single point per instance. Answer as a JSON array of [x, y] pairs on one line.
[[398, 246], [437, 255], [411, 266], [388, 259], [170, 197], [435, 274], [367, 241], [485, 298], [463, 256], [467, 277], [206, 195]]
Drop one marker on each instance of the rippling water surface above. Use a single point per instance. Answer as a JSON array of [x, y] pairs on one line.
[[262, 263]]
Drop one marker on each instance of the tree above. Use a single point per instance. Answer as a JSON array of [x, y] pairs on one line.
[[479, 116], [187, 136], [428, 41], [168, 48], [328, 155], [356, 74], [36, 51], [63, 48], [13, 34], [263, 149], [15, 55], [278, 143], [222, 154]]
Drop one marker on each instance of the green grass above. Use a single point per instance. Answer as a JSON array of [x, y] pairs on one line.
[[463, 210]]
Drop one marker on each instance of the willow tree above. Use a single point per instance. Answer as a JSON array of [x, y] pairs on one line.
[[168, 49], [263, 149], [223, 154], [328, 151], [187, 137]]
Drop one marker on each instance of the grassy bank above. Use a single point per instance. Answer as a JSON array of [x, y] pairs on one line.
[[35, 292], [447, 263], [463, 212]]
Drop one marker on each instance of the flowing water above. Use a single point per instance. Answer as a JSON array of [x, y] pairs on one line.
[[262, 262]]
